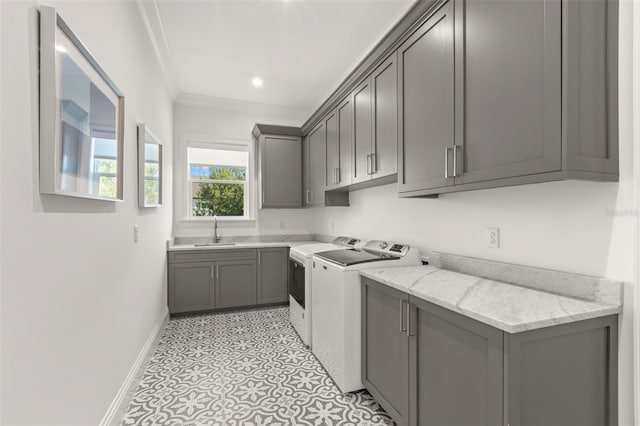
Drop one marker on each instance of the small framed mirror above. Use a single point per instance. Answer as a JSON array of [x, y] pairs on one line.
[[149, 168]]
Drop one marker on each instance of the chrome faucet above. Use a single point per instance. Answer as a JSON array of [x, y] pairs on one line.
[[216, 239]]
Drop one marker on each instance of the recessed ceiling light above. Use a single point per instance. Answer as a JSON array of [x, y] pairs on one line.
[[61, 48], [257, 81]]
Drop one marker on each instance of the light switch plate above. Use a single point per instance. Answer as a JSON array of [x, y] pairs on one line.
[[493, 238], [136, 233]]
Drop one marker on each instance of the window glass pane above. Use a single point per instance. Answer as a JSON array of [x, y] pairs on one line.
[[221, 199], [200, 171], [151, 169]]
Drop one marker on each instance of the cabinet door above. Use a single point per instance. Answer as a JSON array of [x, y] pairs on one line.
[[564, 375], [345, 141], [455, 368], [317, 164], [306, 165], [362, 132], [235, 283], [385, 118], [509, 86], [272, 275], [426, 104], [385, 348], [281, 171], [333, 150], [191, 287]]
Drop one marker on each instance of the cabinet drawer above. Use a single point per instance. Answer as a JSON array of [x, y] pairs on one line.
[[211, 255]]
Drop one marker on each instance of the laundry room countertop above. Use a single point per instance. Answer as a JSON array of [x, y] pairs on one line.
[[509, 307]]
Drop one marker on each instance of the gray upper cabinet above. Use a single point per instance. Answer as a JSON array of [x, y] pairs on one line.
[[333, 150], [384, 152], [385, 348], [362, 132], [375, 124], [426, 104], [272, 275], [515, 92], [344, 112], [509, 86], [280, 166], [316, 165]]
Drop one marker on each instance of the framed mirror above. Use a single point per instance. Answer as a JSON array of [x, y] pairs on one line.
[[149, 168], [81, 118]]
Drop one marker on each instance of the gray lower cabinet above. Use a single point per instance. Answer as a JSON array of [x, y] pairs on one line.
[[203, 280], [272, 275], [455, 368], [235, 283], [191, 287], [429, 366], [279, 166], [385, 348]]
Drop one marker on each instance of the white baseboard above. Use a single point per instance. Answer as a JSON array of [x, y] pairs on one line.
[[122, 399]]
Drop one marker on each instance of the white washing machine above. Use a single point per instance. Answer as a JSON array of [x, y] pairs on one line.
[[300, 288], [335, 303]]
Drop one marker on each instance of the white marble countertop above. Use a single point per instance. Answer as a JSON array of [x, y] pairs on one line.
[[241, 245], [508, 307]]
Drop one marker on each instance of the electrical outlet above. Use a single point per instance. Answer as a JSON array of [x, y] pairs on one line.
[[333, 226], [282, 224], [136, 233], [493, 237]]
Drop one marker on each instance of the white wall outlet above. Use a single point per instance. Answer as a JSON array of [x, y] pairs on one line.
[[333, 226], [282, 224], [136, 233], [493, 237]]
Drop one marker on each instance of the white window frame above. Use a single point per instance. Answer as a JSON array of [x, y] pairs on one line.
[[184, 181]]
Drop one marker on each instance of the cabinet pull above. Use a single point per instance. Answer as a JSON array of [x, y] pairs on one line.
[[446, 162], [217, 273], [368, 164], [403, 327], [409, 310], [263, 196], [308, 194], [455, 160], [338, 177], [211, 267], [259, 253], [374, 168]]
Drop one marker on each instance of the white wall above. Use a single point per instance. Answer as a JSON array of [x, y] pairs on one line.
[[225, 119], [79, 298]]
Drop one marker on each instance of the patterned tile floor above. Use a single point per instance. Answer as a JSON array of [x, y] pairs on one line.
[[246, 368]]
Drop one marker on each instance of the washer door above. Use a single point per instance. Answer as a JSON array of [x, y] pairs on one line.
[[297, 281]]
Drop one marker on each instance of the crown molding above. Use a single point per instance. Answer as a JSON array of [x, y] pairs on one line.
[[157, 36]]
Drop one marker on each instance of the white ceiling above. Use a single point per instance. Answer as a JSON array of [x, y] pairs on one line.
[[302, 49]]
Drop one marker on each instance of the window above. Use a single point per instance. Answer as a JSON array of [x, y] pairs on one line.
[[218, 180]]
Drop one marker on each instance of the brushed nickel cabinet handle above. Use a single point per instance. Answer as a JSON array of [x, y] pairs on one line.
[[338, 175], [217, 272], [403, 327], [259, 253], [211, 268], [455, 160], [369, 164], [374, 167], [446, 162], [308, 194]]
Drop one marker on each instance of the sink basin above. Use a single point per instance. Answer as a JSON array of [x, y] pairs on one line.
[[213, 244]]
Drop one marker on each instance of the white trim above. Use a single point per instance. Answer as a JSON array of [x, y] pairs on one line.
[[635, 131], [153, 24], [116, 407]]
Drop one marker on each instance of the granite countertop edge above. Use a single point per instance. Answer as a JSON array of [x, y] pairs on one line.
[[240, 245]]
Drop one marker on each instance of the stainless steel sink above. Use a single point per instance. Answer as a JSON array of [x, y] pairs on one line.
[[213, 244]]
